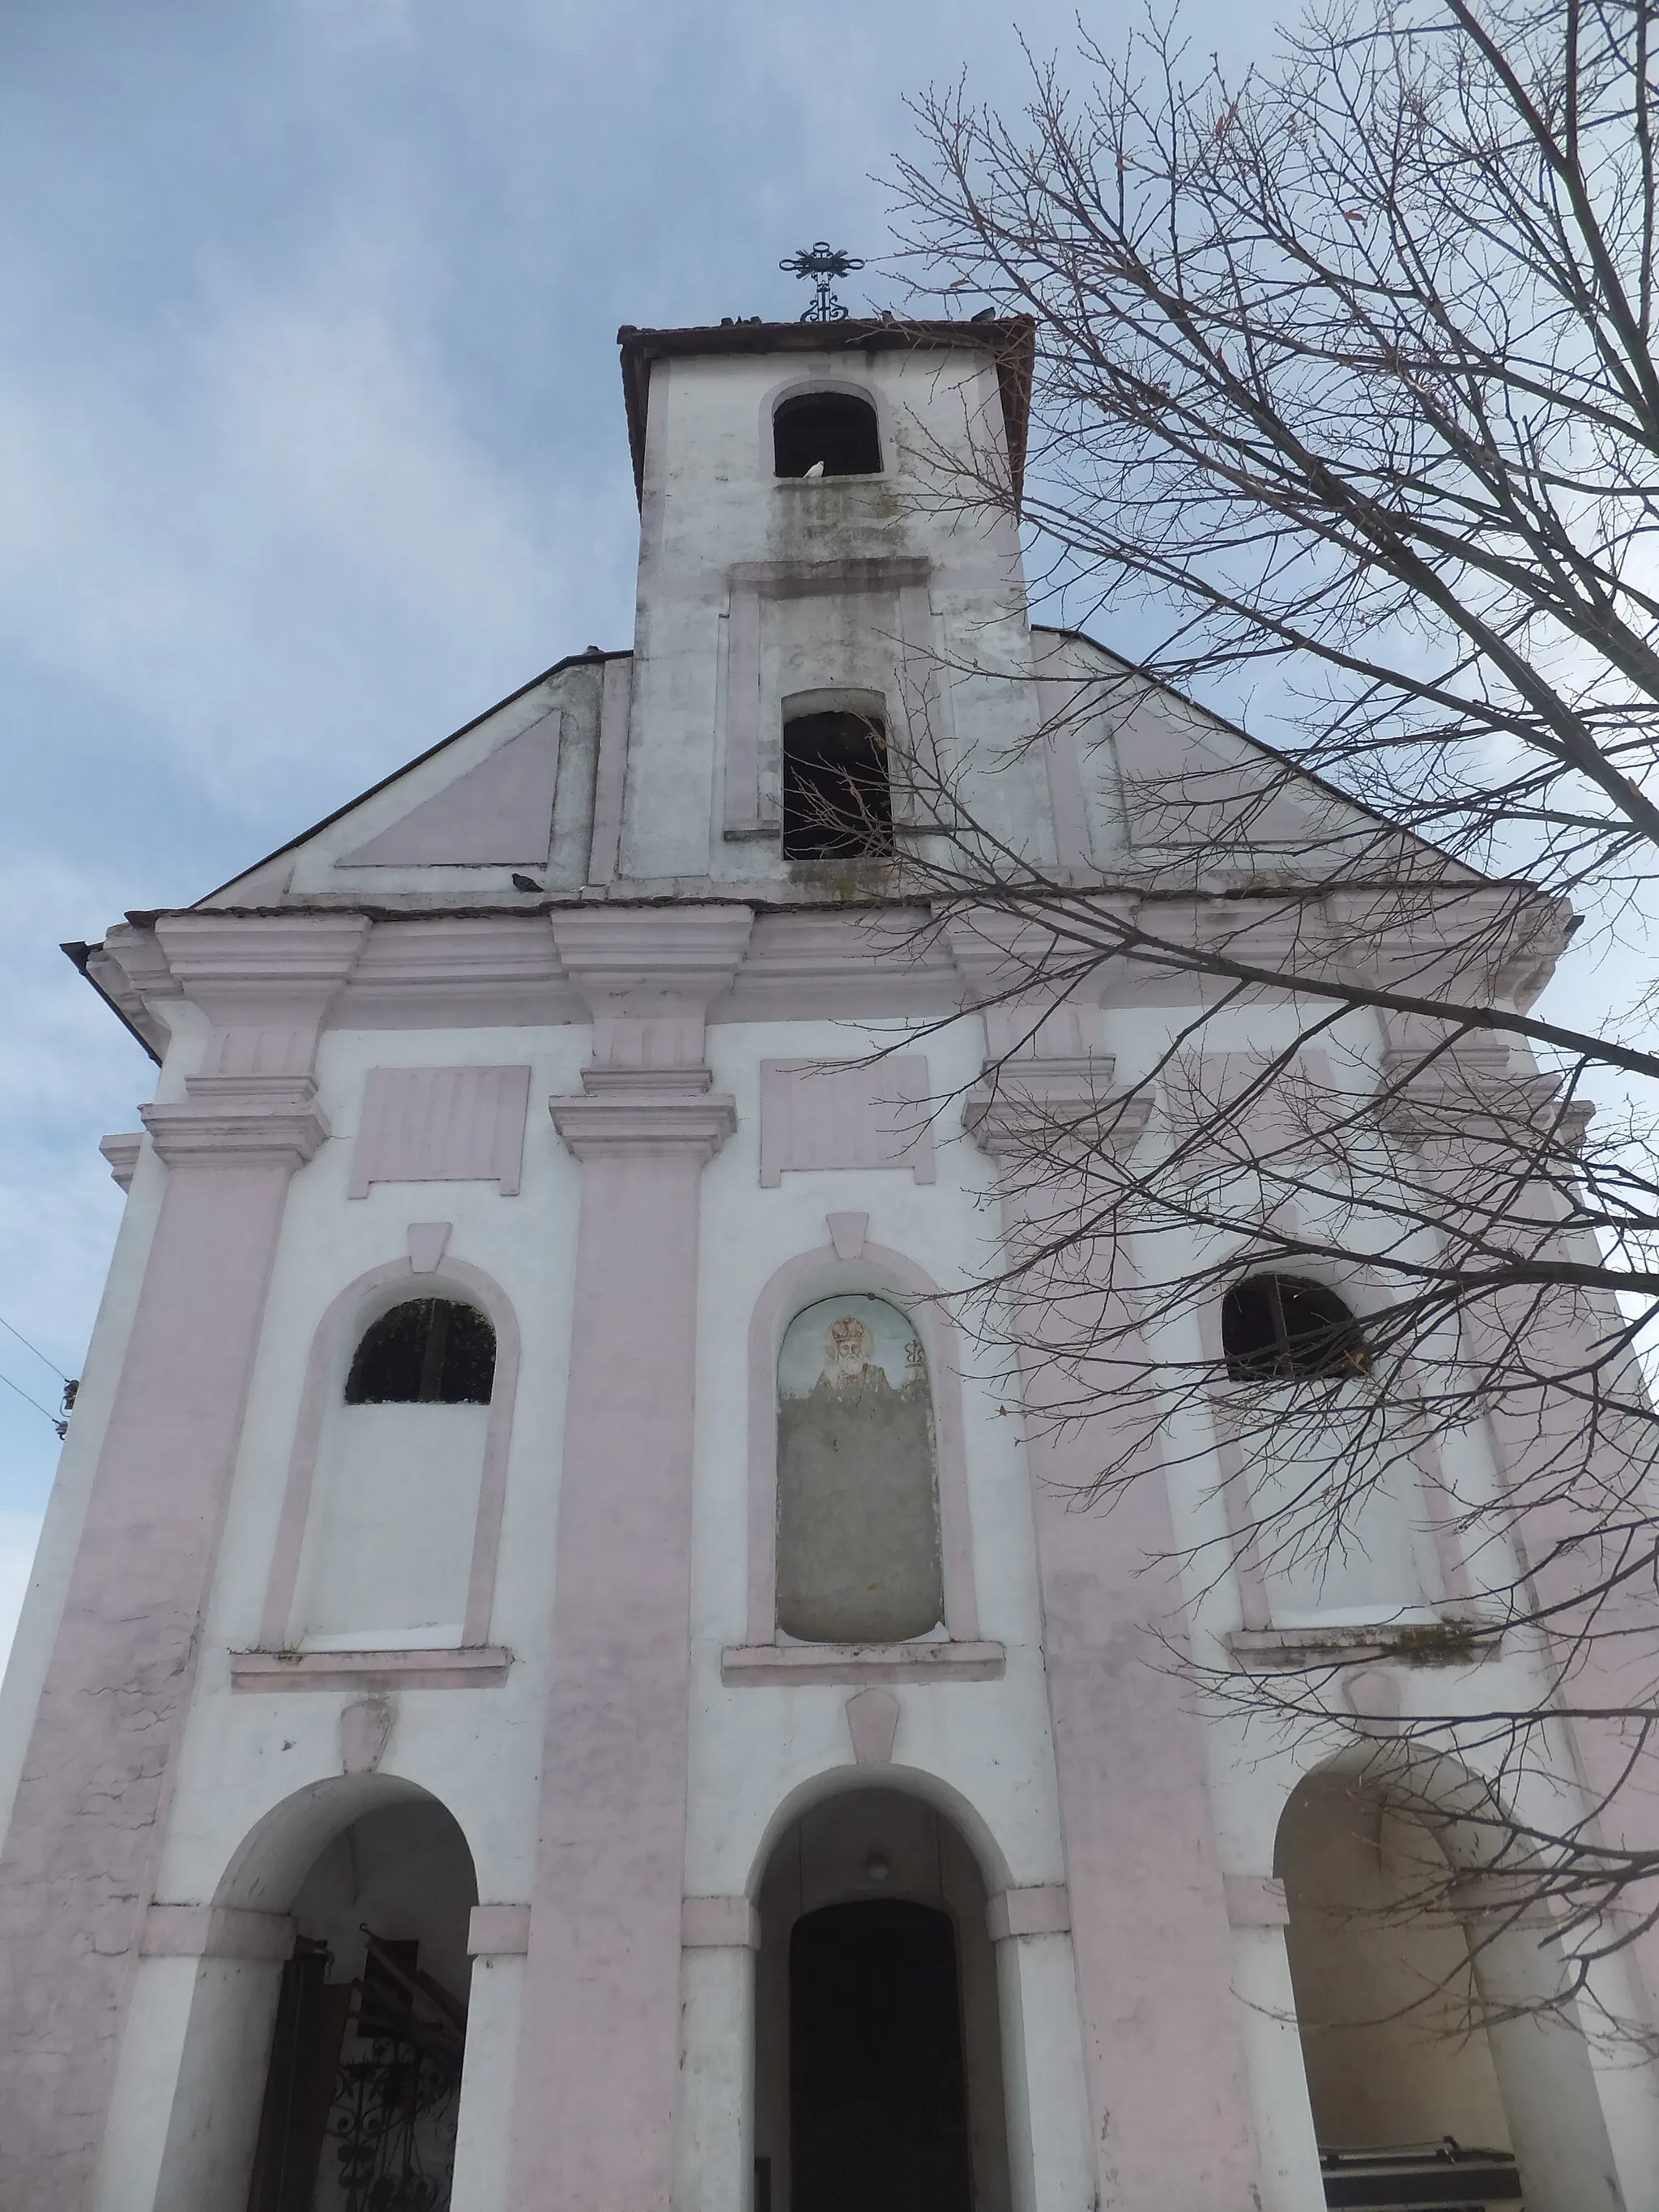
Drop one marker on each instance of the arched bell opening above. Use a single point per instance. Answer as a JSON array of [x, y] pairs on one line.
[[1415, 2097], [878, 2061], [320, 2070], [362, 2092]]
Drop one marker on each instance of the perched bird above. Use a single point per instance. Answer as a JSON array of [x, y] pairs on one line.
[[985, 315], [525, 884], [816, 470]]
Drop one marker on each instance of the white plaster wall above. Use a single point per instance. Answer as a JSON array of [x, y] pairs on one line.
[[711, 500], [389, 1537]]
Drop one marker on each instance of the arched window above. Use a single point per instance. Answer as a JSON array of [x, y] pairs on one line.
[[424, 1351], [837, 803], [1401, 2080], [857, 1538], [1284, 1328], [835, 430]]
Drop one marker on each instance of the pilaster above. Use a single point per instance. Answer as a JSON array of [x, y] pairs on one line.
[[1148, 1921], [600, 2057], [77, 1876]]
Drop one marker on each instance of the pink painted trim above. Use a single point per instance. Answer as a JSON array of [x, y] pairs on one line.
[[217, 1931], [878, 1269], [846, 1233], [470, 1667], [441, 1125], [1044, 1909], [717, 1923], [746, 1664], [325, 1373], [873, 1718], [821, 1113], [122, 1153], [498, 1931], [1255, 1900]]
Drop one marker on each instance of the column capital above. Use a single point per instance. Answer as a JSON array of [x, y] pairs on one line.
[[1053, 1106], [657, 1122], [239, 1121]]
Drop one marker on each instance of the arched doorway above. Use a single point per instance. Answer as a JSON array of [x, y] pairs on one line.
[[1412, 2091], [878, 2067], [363, 2085]]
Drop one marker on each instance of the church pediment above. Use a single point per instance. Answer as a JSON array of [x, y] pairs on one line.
[[509, 796]]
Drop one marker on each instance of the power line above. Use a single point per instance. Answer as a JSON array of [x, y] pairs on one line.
[[35, 1349], [59, 1426]]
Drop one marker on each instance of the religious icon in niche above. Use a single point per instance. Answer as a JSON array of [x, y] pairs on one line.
[[857, 1546]]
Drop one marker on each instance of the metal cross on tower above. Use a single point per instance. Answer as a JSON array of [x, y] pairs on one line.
[[823, 263]]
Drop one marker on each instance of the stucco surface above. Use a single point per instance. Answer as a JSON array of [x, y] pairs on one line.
[[662, 1238]]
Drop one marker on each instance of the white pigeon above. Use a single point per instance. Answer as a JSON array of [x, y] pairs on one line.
[[816, 469]]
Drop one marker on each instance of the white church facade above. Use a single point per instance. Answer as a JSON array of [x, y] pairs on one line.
[[558, 1678]]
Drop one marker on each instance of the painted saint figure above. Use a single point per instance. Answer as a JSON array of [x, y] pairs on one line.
[[857, 1557]]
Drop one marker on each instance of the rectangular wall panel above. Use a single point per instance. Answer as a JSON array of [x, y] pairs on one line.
[[441, 1125], [845, 1114]]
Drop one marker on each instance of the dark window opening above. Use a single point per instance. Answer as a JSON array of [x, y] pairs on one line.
[[425, 1351], [829, 426], [837, 804], [1283, 1328], [877, 2096]]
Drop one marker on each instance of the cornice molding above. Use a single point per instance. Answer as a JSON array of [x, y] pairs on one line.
[[459, 972], [643, 961], [213, 954]]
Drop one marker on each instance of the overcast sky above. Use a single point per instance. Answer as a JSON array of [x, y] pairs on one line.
[[311, 443]]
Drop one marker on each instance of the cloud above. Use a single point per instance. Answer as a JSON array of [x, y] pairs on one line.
[[300, 545]]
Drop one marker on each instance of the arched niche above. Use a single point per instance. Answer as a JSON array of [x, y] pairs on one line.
[[879, 2046], [1420, 2023], [858, 1528], [425, 1564], [341, 2047], [889, 1278]]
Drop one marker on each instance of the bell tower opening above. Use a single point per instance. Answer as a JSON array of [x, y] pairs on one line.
[[837, 800], [833, 434]]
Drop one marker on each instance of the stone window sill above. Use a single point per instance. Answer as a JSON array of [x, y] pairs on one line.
[[475, 1666], [1423, 1643], [772, 1665]]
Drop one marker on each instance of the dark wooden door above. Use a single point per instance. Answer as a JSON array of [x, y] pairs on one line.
[[878, 2104]]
